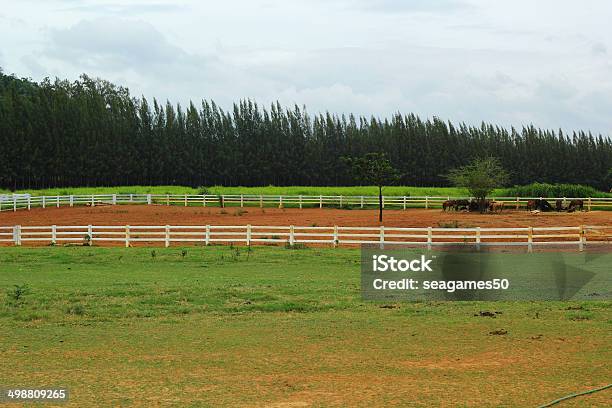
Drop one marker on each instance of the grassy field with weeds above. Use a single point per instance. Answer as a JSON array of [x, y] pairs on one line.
[[228, 326]]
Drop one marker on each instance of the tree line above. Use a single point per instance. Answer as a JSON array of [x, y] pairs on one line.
[[91, 132]]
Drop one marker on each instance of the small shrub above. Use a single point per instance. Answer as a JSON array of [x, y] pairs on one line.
[[76, 309], [17, 294]]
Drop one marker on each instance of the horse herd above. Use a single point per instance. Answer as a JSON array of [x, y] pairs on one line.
[[498, 206], [473, 205], [560, 205]]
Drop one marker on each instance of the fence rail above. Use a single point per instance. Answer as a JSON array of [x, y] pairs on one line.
[[24, 201], [292, 235]]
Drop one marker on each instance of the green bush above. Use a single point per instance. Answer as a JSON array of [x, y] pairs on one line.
[[553, 190]]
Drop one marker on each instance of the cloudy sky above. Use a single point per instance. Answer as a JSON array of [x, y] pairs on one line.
[[511, 62]]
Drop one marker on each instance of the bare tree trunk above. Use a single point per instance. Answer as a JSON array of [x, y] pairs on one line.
[[380, 204]]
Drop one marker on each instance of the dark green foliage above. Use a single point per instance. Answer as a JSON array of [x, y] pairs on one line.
[[552, 190], [375, 169], [93, 133], [480, 178]]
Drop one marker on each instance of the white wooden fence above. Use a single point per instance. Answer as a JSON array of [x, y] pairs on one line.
[[17, 202], [291, 235]]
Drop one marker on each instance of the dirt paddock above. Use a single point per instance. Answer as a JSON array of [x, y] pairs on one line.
[[175, 215]]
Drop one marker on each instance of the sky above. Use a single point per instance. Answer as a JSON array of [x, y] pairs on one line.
[[512, 63]]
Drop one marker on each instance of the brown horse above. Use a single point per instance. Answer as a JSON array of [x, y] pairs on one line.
[[496, 206], [575, 205], [461, 205], [448, 205]]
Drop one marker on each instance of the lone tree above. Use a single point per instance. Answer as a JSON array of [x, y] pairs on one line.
[[374, 169], [480, 178]]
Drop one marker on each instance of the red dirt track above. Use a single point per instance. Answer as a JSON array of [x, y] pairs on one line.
[[175, 215]]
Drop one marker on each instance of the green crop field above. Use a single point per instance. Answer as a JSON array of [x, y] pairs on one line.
[[227, 326], [290, 190], [268, 190]]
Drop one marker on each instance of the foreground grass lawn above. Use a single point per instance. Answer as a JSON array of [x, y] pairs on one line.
[[222, 326]]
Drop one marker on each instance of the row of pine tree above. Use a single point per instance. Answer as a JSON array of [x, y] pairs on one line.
[[93, 133]]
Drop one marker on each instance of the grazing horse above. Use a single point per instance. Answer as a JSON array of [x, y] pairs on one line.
[[496, 206], [448, 205], [574, 205], [541, 205], [461, 205], [473, 205]]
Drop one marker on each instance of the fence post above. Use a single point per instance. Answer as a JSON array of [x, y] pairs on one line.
[[361, 201], [71, 200], [589, 204], [320, 201], [167, 236], [203, 200], [90, 234], [517, 203], [185, 200], [149, 201], [404, 202], [383, 202], [29, 203], [340, 201], [53, 235], [291, 235], [382, 237], [426, 202], [280, 201], [478, 238], [131, 197], [336, 240], [241, 200], [582, 238], [207, 236], [114, 199], [14, 203], [127, 236], [17, 235], [167, 199], [530, 240], [300, 201], [260, 201], [429, 238], [93, 201], [248, 235], [44, 201]]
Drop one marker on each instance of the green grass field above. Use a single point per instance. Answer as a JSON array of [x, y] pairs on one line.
[[225, 326], [268, 190]]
